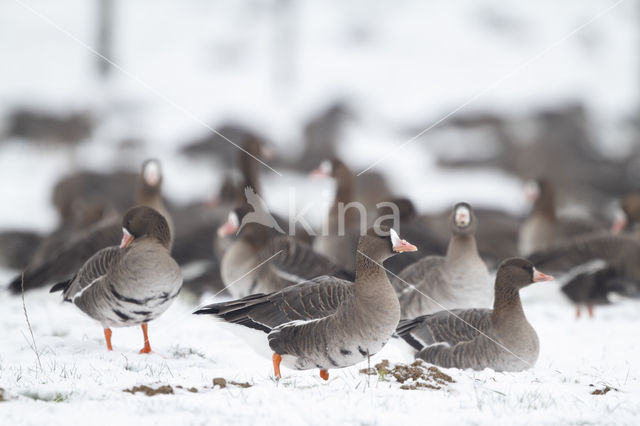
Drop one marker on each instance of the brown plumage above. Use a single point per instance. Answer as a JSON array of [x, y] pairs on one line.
[[500, 338]]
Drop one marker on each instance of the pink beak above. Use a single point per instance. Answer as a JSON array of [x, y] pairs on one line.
[[227, 229], [403, 246], [127, 239], [539, 276], [318, 172], [618, 225]]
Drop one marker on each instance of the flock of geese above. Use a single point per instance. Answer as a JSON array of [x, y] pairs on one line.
[[334, 300]]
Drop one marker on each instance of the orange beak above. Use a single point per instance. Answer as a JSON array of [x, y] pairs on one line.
[[539, 276], [228, 228], [127, 238], [403, 246]]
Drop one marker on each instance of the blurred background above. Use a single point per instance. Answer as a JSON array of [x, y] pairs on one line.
[[508, 91]]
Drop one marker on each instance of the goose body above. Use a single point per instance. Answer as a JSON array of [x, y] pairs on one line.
[[458, 280], [500, 338], [326, 322], [131, 284]]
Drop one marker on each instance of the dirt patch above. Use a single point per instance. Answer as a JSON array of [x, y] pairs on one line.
[[2, 395], [149, 391], [602, 391], [191, 389], [413, 376], [223, 383]]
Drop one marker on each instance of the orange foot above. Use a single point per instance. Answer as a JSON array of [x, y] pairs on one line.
[[324, 374], [147, 346], [578, 312], [107, 337], [590, 310], [276, 365]]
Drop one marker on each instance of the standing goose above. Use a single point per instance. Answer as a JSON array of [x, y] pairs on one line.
[[458, 280], [501, 339], [543, 227], [62, 261], [261, 260], [596, 264], [326, 322], [340, 240], [131, 284]]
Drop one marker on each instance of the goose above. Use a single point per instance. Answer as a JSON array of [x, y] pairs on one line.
[[131, 284], [458, 280], [500, 338], [596, 265], [543, 227], [326, 322], [62, 261], [261, 260], [342, 230]]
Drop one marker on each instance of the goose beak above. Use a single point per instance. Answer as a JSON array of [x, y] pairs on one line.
[[127, 238], [403, 246], [228, 228], [318, 172], [539, 276], [619, 223]]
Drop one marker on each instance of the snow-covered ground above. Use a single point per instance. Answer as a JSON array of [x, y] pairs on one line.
[[78, 379]]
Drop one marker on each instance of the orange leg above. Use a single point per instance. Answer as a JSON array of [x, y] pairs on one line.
[[324, 374], [578, 312], [590, 309], [147, 346], [107, 337], [276, 365]]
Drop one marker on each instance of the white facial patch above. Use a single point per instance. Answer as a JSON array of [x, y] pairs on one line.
[[463, 216], [125, 232], [152, 173], [233, 219], [532, 190], [326, 167], [395, 239]]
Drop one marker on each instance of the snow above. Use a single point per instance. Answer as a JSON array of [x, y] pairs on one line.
[[400, 65], [190, 351]]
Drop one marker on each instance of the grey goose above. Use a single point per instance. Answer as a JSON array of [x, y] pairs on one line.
[[500, 338], [130, 284], [261, 260], [544, 227], [458, 280], [61, 261], [326, 322]]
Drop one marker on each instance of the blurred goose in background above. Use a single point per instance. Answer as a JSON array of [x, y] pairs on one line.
[[458, 280], [62, 261], [500, 338], [595, 265], [628, 218], [131, 284], [326, 322], [17, 247], [341, 230], [543, 227], [261, 260]]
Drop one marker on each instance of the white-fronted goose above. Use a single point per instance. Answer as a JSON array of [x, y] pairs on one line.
[[261, 260], [131, 284], [543, 227], [63, 261], [597, 264], [340, 238], [326, 322], [500, 338], [458, 280]]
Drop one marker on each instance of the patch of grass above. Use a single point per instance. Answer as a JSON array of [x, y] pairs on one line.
[[602, 391], [58, 397], [414, 376], [2, 395], [223, 383], [179, 352]]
